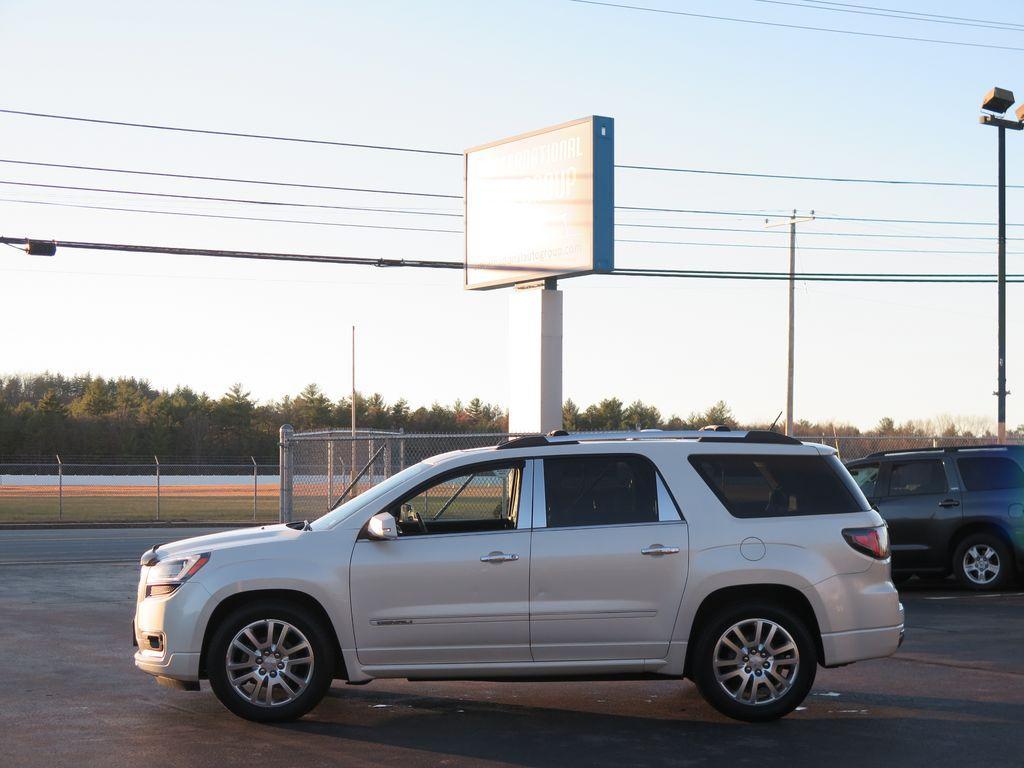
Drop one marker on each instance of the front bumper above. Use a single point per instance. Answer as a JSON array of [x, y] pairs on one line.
[[177, 666], [175, 621]]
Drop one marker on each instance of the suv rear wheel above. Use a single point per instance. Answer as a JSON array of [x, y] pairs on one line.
[[755, 662], [982, 562], [270, 662]]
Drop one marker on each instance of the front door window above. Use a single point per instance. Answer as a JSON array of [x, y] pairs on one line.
[[473, 501]]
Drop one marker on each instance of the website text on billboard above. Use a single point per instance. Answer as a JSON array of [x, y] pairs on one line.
[[540, 205]]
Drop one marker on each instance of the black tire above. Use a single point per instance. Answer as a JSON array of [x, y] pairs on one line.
[[703, 662], [322, 665], [984, 543]]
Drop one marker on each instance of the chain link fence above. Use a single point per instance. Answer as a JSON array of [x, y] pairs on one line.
[[155, 491], [320, 469], [315, 471]]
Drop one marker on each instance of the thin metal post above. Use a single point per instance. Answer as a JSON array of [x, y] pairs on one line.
[[352, 469], [285, 471], [60, 489], [255, 485], [1001, 392], [330, 473], [401, 449], [157, 460], [792, 323]]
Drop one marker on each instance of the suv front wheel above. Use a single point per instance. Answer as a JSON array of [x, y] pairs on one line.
[[270, 661], [755, 662], [983, 561]]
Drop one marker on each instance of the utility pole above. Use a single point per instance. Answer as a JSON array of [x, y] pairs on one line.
[[353, 381], [997, 102], [352, 466], [793, 221]]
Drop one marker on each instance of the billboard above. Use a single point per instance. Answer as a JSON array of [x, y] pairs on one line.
[[540, 205]]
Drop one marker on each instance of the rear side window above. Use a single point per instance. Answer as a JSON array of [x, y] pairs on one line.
[[600, 490], [779, 485], [990, 473], [866, 477], [913, 478]]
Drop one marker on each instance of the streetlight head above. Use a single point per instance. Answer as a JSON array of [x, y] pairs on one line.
[[1020, 113], [998, 100], [41, 248]]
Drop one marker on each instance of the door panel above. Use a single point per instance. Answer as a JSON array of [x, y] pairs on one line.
[[431, 600], [921, 508], [443, 592], [593, 595]]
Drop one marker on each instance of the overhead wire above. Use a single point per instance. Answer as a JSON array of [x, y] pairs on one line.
[[801, 27], [263, 219], [891, 14], [623, 166], [892, 277], [1007, 24], [196, 177]]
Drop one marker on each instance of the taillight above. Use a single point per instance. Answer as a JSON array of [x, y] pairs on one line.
[[873, 542]]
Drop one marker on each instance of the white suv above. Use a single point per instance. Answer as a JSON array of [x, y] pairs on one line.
[[741, 560]]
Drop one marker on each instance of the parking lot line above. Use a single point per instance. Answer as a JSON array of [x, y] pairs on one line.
[[971, 596]]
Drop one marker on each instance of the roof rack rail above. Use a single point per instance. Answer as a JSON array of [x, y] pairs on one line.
[[707, 436], [943, 449]]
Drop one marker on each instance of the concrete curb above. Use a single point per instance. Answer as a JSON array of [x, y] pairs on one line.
[[161, 524]]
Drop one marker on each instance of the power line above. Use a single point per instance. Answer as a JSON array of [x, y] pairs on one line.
[[164, 174], [918, 13], [263, 219], [246, 201], [814, 248], [271, 220], [830, 277], [374, 190], [806, 234], [893, 15], [232, 134], [795, 177], [259, 255], [802, 27], [322, 206], [623, 166], [762, 215], [440, 264]]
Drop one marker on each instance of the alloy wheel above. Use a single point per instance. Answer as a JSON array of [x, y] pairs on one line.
[[981, 564], [756, 661], [269, 663]]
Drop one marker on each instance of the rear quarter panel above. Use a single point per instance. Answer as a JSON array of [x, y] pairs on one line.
[[725, 551]]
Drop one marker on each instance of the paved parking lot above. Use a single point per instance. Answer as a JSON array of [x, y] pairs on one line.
[[954, 695]]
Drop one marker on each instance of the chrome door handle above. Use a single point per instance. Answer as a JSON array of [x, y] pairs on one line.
[[947, 503], [659, 549], [499, 557]]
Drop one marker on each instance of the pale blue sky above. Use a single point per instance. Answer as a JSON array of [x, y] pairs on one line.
[[449, 75]]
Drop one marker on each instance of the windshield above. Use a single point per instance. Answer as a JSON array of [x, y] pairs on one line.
[[338, 514]]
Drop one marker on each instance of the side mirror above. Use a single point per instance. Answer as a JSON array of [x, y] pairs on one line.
[[382, 527]]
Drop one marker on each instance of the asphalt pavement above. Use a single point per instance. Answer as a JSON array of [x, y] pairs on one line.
[[86, 545], [953, 695]]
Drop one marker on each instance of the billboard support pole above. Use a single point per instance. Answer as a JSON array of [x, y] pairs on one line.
[[535, 358]]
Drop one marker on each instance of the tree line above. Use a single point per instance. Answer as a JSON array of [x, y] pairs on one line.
[[90, 416]]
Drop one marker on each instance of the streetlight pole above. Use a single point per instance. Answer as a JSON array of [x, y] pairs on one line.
[[1001, 374], [997, 102]]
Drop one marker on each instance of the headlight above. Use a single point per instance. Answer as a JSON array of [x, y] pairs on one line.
[[167, 575]]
